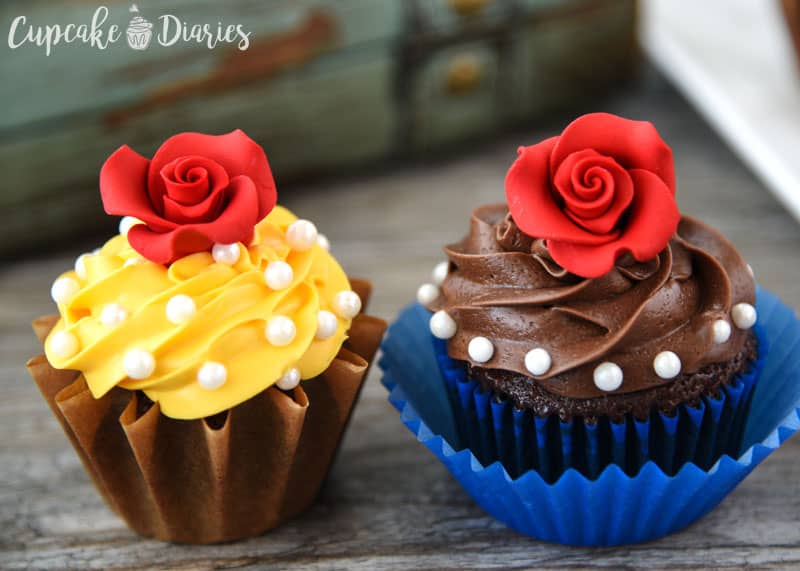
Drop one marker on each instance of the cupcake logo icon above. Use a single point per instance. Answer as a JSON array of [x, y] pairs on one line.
[[139, 31]]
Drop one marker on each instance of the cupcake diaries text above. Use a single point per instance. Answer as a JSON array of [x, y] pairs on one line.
[[167, 30]]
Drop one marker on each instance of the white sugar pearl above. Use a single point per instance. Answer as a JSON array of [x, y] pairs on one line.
[[667, 365], [64, 344], [608, 376], [212, 375], [180, 309], [127, 223], [744, 315], [278, 275], [346, 304], [289, 381], [442, 325], [538, 361], [80, 266], [138, 364], [750, 271], [480, 349], [427, 293], [301, 235], [64, 289], [280, 331], [323, 242], [113, 314], [226, 253], [722, 331], [327, 324], [440, 272]]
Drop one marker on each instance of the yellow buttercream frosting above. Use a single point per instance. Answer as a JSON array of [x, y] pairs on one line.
[[233, 306]]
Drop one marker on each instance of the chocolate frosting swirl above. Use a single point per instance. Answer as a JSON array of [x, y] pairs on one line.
[[503, 285]]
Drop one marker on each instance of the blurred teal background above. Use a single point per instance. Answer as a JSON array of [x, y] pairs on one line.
[[326, 86]]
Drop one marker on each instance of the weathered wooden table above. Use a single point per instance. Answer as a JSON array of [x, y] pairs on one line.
[[388, 503]]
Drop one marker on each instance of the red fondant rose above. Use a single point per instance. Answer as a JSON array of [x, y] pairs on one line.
[[604, 187], [197, 190]]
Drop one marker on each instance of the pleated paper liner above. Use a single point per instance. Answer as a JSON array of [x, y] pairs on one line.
[[494, 430], [229, 477], [586, 504]]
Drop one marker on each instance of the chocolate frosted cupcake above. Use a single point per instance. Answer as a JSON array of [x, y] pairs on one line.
[[645, 335], [592, 316], [204, 361]]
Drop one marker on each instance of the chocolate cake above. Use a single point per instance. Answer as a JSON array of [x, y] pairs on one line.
[[588, 294]]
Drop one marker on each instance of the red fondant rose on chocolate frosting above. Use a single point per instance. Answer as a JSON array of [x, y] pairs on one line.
[[196, 191], [604, 187]]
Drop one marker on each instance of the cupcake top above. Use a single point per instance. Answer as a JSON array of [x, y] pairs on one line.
[[138, 24], [589, 281], [210, 293]]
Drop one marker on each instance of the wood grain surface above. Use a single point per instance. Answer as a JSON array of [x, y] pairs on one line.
[[389, 504]]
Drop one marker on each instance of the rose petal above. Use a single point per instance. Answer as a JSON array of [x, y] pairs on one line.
[[205, 211], [122, 188], [166, 247], [235, 152], [190, 180], [186, 192], [123, 179], [531, 203], [633, 144], [209, 207], [569, 181], [235, 224], [622, 195], [653, 220]]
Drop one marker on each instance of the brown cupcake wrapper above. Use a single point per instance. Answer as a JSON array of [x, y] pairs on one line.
[[195, 481]]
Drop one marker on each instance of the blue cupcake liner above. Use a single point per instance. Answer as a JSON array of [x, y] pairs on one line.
[[615, 507], [494, 430]]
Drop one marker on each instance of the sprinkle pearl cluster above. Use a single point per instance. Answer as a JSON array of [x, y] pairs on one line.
[[427, 293], [607, 376], [327, 324], [301, 235], [64, 289], [280, 331], [440, 272], [127, 223], [538, 361], [278, 275], [80, 266], [139, 364], [667, 365], [289, 380], [721, 330], [347, 304], [64, 344], [113, 314], [442, 325], [480, 349], [212, 375], [180, 309], [744, 315], [226, 253]]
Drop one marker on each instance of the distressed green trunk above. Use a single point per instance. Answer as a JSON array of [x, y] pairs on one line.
[[324, 85]]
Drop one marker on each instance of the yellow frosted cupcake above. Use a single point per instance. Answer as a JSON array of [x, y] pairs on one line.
[[206, 359]]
